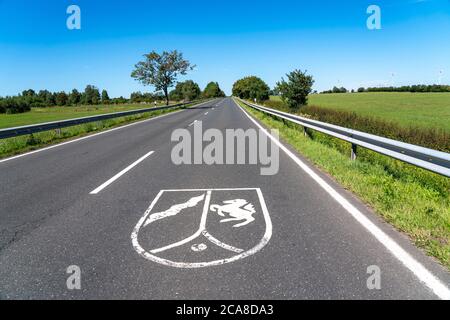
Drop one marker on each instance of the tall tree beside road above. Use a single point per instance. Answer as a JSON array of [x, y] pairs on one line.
[[161, 70], [213, 90], [296, 89]]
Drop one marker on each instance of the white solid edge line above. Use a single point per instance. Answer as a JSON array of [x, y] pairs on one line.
[[404, 257], [93, 135], [212, 189], [121, 173]]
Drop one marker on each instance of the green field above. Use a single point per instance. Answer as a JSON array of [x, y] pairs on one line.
[[406, 109], [39, 115]]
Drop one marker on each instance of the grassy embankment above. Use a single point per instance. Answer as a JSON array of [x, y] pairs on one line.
[[413, 200], [427, 110]]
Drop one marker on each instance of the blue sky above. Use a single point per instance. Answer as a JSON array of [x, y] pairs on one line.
[[225, 39]]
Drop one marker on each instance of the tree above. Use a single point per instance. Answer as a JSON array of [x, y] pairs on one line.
[[161, 70], [175, 95], [74, 97], [136, 97], [339, 90], [17, 104], [296, 89], [61, 98], [251, 88], [105, 97], [42, 95], [119, 100], [91, 95]]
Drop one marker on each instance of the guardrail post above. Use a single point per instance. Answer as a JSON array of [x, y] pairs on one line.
[[353, 153]]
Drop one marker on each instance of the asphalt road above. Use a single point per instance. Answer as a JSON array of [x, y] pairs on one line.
[[290, 240]]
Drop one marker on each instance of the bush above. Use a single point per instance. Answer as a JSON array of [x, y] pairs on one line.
[[11, 105], [32, 140], [251, 88], [213, 90], [119, 100], [295, 91]]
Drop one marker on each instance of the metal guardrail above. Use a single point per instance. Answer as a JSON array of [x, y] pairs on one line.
[[429, 159], [24, 130]]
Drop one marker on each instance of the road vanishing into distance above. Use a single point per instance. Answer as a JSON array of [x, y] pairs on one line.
[[139, 226]]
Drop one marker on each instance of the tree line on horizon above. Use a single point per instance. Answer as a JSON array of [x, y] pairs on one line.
[[30, 98], [161, 71], [413, 88], [44, 98], [27, 99]]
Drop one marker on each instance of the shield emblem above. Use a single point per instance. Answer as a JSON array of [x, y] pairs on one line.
[[195, 228]]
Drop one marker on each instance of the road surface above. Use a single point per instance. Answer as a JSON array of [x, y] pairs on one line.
[[140, 227]]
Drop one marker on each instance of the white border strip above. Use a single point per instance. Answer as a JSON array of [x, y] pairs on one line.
[[212, 189], [219, 243], [121, 173], [404, 257], [95, 134]]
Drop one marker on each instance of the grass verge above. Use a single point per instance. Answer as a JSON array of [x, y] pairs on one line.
[[17, 145], [41, 115], [413, 200]]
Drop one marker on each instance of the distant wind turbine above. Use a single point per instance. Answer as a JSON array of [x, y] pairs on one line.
[[441, 73], [392, 78]]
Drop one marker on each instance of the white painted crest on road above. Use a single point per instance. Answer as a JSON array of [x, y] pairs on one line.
[[195, 228]]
